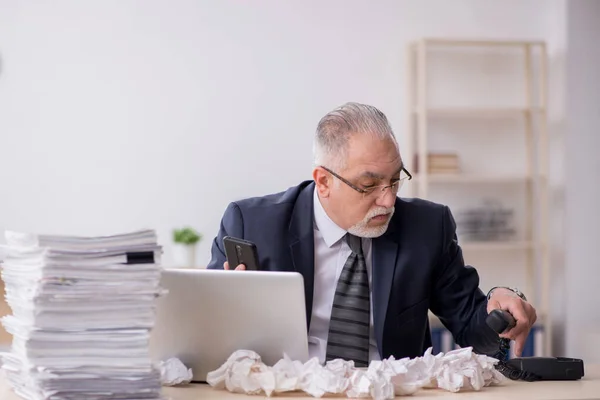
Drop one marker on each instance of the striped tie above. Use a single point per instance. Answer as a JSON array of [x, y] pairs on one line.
[[350, 316]]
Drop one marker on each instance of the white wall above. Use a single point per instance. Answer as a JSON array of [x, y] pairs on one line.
[[582, 235], [117, 115]]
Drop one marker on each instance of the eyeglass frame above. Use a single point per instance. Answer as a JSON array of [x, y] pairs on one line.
[[366, 192]]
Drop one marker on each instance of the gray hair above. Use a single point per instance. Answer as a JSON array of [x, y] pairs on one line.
[[335, 128]]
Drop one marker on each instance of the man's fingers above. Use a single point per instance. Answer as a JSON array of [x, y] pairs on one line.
[[523, 313], [518, 311], [493, 305], [532, 314], [520, 343], [520, 331], [240, 267]]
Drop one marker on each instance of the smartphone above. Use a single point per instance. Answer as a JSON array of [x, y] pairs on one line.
[[239, 251]]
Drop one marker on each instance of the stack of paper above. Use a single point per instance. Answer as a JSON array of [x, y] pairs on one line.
[[82, 310]]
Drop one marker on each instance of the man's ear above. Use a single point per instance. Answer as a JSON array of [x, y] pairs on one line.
[[323, 181]]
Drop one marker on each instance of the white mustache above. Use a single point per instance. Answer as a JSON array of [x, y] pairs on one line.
[[379, 211]]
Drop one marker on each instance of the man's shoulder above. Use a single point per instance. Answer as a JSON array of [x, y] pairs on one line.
[[416, 204], [421, 220], [417, 211], [285, 198]]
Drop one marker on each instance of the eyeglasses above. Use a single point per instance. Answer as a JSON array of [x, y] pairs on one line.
[[374, 190]]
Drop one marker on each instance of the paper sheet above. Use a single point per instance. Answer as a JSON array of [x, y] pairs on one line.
[[462, 369], [173, 372]]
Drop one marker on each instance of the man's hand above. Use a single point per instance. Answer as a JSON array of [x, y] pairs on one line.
[[240, 267], [523, 312]]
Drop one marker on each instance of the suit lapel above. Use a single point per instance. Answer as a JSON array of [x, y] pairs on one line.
[[302, 244], [385, 253]]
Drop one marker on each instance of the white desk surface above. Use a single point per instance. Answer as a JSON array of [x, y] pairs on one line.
[[586, 388]]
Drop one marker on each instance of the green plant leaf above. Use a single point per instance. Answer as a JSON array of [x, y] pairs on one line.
[[187, 236]]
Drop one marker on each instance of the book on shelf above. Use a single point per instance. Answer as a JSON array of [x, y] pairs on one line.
[[440, 163]]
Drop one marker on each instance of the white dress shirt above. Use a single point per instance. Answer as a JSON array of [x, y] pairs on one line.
[[331, 253]]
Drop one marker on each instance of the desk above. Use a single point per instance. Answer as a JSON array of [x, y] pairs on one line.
[[5, 337], [586, 388]]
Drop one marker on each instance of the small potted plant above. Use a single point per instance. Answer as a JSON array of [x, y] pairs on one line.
[[184, 249]]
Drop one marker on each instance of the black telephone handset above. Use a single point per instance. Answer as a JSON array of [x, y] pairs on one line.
[[530, 368]]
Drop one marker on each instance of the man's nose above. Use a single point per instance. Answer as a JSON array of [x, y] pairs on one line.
[[386, 199]]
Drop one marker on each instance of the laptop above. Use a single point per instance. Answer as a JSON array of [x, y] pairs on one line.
[[208, 314]]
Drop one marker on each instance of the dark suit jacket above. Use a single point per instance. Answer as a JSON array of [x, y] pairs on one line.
[[417, 266]]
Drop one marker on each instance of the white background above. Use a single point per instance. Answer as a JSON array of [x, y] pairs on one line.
[[120, 115]]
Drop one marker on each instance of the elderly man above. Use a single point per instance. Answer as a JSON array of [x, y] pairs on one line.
[[373, 263]]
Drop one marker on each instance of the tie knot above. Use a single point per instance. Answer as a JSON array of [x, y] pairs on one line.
[[355, 243]]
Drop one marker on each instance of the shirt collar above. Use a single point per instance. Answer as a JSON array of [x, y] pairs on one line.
[[330, 231]]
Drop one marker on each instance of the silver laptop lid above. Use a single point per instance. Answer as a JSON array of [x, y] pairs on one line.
[[209, 314]]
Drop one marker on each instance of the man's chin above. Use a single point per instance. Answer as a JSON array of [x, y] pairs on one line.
[[373, 227], [370, 231]]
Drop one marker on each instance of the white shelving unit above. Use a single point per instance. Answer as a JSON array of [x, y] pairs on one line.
[[526, 64], [471, 178]]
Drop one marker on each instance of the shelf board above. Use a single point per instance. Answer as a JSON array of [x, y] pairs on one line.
[[497, 245], [477, 112], [471, 42], [473, 178]]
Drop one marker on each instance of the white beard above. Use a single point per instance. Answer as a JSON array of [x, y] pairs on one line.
[[361, 229]]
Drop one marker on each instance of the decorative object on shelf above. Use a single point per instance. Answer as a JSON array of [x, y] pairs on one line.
[[184, 249], [488, 222]]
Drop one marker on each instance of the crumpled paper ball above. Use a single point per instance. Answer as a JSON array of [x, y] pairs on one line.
[[462, 369], [173, 372]]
